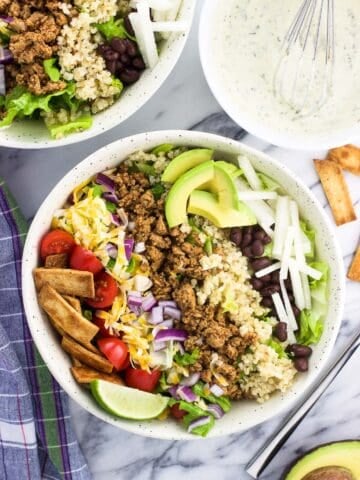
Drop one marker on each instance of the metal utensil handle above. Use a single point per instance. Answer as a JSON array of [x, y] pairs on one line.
[[258, 463]]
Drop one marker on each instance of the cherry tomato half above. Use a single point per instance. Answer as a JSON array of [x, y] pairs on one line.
[[106, 290], [103, 331], [142, 380], [176, 412], [56, 241], [82, 259], [115, 350]]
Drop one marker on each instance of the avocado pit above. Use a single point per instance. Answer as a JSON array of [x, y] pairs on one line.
[[330, 473]]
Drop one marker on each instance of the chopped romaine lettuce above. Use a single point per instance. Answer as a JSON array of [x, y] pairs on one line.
[[269, 183], [310, 234], [157, 190], [311, 327], [186, 358], [230, 168], [208, 246], [113, 28], [204, 393], [279, 349], [111, 207], [164, 148], [78, 125], [116, 82], [194, 412], [51, 69]]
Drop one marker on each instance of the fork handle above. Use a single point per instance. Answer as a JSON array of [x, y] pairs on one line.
[[264, 456]]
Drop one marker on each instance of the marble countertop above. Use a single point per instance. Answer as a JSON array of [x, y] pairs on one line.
[[115, 454]]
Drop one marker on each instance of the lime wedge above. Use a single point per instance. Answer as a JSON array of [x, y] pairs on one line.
[[127, 402]]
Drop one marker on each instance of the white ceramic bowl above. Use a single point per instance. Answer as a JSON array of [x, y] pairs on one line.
[[248, 96], [34, 134], [244, 414]]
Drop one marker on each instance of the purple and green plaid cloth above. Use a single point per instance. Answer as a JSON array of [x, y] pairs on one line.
[[36, 437]]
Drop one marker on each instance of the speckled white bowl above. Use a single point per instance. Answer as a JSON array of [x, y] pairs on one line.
[[34, 134], [244, 414]]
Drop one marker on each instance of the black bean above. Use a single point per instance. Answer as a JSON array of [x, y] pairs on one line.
[[103, 48], [132, 50], [247, 230], [266, 240], [247, 251], [259, 234], [270, 290], [125, 59], [295, 310], [256, 283], [111, 55], [128, 26], [246, 240], [288, 284], [299, 350], [267, 302], [291, 298], [257, 248], [111, 66], [275, 276], [261, 263], [118, 45], [301, 364], [139, 64], [119, 66], [280, 331], [235, 233], [129, 76], [266, 278]]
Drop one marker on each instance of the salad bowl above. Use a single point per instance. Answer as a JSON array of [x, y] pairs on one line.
[[245, 413]]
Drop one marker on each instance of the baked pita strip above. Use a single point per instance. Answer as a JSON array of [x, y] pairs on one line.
[[354, 270], [86, 357], [59, 260], [336, 191], [76, 362], [75, 283], [348, 157], [64, 315], [74, 302], [87, 375]]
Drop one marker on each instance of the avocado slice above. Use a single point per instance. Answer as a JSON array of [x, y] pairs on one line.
[[230, 168], [223, 186], [184, 162], [333, 461], [207, 205], [177, 198]]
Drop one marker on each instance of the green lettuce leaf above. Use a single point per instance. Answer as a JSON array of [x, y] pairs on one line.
[[310, 233], [230, 168], [194, 412], [51, 69], [311, 327], [81, 123], [113, 28], [268, 183], [279, 349], [164, 148], [223, 401], [186, 358], [157, 190]]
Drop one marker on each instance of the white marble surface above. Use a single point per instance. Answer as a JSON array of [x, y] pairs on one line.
[[186, 102]]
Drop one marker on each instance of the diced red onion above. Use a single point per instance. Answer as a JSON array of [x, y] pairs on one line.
[[171, 312], [157, 346], [216, 390], [167, 323], [111, 197], [216, 410], [191, 379], [162, 326], [134, 304], [105, 181], [112, 250], [148, 302], [173, 392], [167, 303], [139, 247], [2, 81], [199, 422], [171, 334], [129, 246], [156, 316], [115, 220], [134, 293], [185, 393], [5, 56], [6, 19]]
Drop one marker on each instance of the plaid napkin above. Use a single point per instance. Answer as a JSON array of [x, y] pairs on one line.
[[36, 437]]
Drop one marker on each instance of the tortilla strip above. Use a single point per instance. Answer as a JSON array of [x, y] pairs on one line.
[[63, 314], [336, 191], [86, 375], [76, 362], [348, 157], [354, 270], [69, 282], [85, 356], [74, 302], [59, 260]]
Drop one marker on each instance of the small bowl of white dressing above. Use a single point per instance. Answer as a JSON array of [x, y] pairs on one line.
[[240, 48]]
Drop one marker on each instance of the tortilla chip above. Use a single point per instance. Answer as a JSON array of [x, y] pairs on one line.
[[348, 157], [75, 283], [87, 375], [76, 362], [65, 316], [59, 260], [91, 359], [74, 302], [354, 270], [336, 191]]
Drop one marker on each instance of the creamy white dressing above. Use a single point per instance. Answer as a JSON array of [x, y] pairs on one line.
[[246, 42]]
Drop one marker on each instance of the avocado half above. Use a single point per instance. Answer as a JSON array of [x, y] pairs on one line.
[[332, 461]]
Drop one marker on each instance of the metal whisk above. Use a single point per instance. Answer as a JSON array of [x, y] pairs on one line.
[[304, 74]]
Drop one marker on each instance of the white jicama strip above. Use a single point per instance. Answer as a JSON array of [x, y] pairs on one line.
[[174, 10], [160, 5], [281, 313], [169, 26], [281, 225], [306, 290], [257, 195], [144, 34], [306, 244], [267, 270], [289, 240], [297, 285], [249, 172], [309, 271], [289, 311], [298, 241]]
